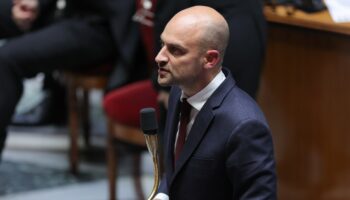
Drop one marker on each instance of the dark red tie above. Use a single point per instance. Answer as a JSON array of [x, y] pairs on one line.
[[184, 119]]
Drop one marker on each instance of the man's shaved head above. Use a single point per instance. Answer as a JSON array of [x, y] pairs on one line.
[[214, 32]]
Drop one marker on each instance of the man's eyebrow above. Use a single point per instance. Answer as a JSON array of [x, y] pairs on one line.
[[173, 45]]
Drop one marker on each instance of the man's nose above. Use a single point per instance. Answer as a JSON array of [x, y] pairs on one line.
[[161, 57]]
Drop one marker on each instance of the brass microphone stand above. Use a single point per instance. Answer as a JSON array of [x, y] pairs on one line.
[[152, 145], [149, 126]]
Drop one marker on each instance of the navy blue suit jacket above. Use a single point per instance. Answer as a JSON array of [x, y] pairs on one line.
[[228, 153]]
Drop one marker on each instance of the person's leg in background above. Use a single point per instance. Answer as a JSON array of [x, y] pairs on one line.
[[66, 44], [7, 29], [42, 105], [41, 112]]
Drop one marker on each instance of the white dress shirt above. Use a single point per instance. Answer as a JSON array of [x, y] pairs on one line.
[[197, 101]]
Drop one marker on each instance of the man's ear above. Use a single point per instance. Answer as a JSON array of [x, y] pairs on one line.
[[212, 58]]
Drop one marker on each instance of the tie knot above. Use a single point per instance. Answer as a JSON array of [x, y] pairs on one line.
[[185, 107]]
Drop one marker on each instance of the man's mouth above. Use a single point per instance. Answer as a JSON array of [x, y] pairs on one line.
[[162, 72]]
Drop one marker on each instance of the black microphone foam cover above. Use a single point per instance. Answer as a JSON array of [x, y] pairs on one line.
[[148, 121]]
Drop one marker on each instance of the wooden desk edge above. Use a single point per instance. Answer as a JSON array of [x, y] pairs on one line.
[[319, 21]]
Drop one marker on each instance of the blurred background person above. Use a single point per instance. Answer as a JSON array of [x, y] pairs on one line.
[[20, 17], [90, 33]]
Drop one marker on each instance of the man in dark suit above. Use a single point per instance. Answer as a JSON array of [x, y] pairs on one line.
[[219, 145], [90, 33], [246, 46]]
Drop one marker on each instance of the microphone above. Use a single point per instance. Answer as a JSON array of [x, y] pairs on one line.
[[149, 121], [149, 127]]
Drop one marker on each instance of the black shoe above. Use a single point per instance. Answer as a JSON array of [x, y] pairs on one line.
[[50, 110]]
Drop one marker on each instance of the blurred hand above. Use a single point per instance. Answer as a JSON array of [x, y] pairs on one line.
[[24, 13], [163, 98]]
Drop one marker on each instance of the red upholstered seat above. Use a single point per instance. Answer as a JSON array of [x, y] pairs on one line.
[[122, 107], [124, 104]]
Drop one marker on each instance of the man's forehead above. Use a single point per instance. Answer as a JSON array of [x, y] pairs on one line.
[[182, 35], [181, 22], [172, 38]]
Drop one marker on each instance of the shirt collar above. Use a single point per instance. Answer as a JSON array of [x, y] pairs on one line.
[[198, 100]]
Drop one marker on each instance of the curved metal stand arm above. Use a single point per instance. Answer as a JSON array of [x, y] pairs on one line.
[[152, 145]]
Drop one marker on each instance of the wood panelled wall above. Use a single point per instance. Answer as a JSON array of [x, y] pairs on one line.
[[305, 94]]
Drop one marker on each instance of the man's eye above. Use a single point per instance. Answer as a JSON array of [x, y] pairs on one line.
[[175, 51]]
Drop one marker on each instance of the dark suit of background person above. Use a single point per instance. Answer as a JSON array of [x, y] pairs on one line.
[[247, 25], [9, 29], [228, 153], [90, 33]]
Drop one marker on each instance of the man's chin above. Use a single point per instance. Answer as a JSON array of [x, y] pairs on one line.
[[163, 82]]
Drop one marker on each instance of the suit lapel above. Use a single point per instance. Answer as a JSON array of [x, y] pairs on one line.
[[198, 130], [201, 124]]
